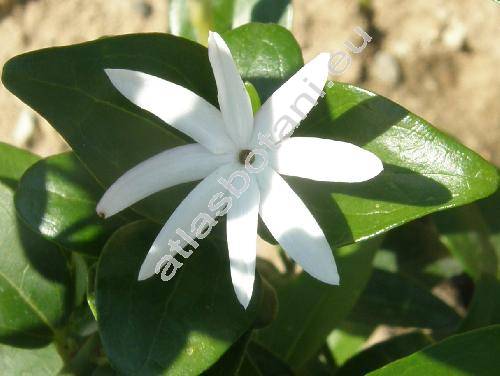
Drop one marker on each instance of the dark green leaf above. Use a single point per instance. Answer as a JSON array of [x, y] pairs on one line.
[[35, 292], [396, 300], [385, 352], [264, 361], [465, 233], [424, 170], [182, 326], [109, 134], [473, 353], [230, 362], [266, 55], [34, 281], [67, 85], [484, 308], [415, 251], [57, 197], [310, 309]]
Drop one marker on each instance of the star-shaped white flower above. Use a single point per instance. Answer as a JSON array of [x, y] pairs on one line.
[[235, 181]]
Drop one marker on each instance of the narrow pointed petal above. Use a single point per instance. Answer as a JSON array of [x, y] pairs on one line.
[[178, 165], [242, 222], [175, 105], [182, 218], [325, 160], [234, 102], [291, 103], [293, 225]]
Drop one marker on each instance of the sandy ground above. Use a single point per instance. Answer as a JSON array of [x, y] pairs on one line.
[[439, 59]]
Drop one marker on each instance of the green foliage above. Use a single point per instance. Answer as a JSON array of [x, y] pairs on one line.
[[179, 327], [49, 296], [471, 353], [57, 198], [380, 354], [309, 310], [35, 278]]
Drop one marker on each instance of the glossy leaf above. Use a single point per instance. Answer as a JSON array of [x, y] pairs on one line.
[[309, 309], [69, 87], [57, 198], [385, 352], [424, 170], [34, 362], [35, 295], [472, 353], [182, 326], [396, 300], [266, 55]]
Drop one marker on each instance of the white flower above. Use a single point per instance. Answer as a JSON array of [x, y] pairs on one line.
[[224, 139]]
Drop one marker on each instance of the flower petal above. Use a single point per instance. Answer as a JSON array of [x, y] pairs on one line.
[[175, 105], [325, 160], [178, 165], [196, 202], [293, 225], [234, 102], [291, 103], [242, 222]]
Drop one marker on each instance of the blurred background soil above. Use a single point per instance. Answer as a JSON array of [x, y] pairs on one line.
[[439, 59]]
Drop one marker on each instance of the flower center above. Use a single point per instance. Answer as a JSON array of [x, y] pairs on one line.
[[244, 155]]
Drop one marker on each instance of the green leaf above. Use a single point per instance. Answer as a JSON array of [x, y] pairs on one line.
[[35, 287], [14, 162], [57, 198], [193, 19], [466, 234], [266, 55], [347, 339], [110, 135], [472, 353], [182, 326], [230, 362], [34, 281], [382, 353], [484, 308], [414, 250], [310, 309], [424, 170], [396, 300], [472, 235], [42, 361], [265, 362]]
